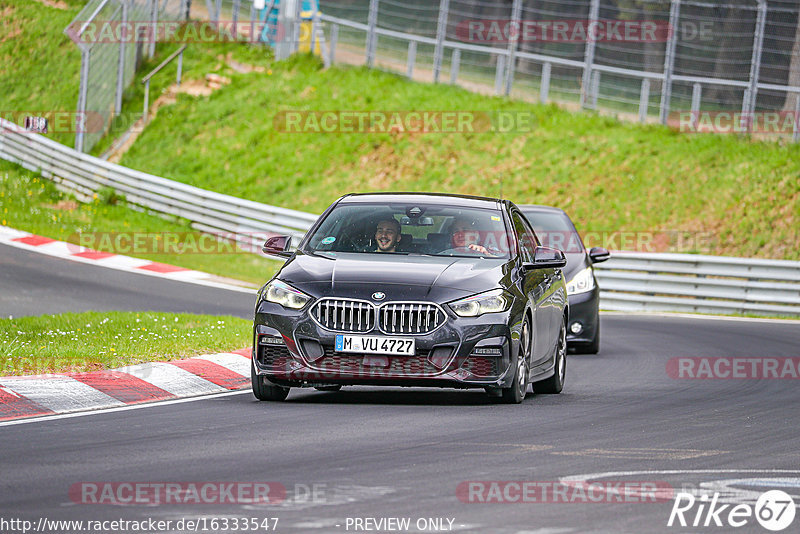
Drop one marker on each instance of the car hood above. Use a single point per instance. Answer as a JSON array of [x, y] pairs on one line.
[[400, 277], [576, 261]]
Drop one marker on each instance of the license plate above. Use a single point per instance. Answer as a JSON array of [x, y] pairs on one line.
[[375, 345]]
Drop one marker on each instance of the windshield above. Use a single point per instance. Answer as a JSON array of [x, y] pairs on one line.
[[396, 228], [555, 230]]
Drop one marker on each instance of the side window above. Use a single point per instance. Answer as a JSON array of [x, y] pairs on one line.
[[527, 242]]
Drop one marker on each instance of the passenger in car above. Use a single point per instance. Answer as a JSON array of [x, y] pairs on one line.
[[466, 236], [387, 235]]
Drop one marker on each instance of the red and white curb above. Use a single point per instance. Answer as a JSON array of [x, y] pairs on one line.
[[42, 395], [69, 251]]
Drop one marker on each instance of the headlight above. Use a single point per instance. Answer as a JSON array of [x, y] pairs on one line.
[[581, 282], [285, 295], [493, 301]]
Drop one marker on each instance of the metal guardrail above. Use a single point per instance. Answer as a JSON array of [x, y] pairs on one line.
[[628, 281], [631, 281], [244, 221]]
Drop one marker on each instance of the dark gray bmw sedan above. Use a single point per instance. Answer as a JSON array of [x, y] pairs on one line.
[[411, 289]]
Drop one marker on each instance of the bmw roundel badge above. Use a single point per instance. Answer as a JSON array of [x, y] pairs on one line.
[[378, 295]]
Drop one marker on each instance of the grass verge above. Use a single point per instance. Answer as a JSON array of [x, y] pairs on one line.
[[740, 198], [31, 203], [90, 341]]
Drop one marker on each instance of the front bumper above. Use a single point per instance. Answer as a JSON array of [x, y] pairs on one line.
[[290, 349], [584, 310]]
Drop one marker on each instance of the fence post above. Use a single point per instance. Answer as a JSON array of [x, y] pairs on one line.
[[334, 40], [123, 44], [749, 104], [516, 15], [697, 95], [796, 132], [644, 99], [441, 32], [217, 10], [154, 22], [544, 89], [296, 25], [595, 89], [588, 56], [455, 64], [499, 73], [412, 58], [235, 17], [669, 60], [86, 57], [372, 21]]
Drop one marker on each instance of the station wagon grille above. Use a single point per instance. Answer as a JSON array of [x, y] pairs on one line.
[[346, 315], [409, 318]]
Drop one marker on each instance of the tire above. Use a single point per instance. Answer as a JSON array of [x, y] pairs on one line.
[[329, 388], [519, 388], [555, 383], [264, 392]]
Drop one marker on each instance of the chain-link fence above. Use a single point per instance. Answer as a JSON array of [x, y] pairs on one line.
[[729, 66], [701, 66], [110, 55]]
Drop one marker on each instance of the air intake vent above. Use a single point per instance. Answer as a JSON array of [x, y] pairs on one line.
[[409, 317], [344, 315]]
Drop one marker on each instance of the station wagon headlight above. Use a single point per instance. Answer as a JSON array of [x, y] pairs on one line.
[[493, 301], [285, 295], [581, 282]]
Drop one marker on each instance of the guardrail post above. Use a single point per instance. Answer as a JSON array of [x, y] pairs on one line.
[[644, 99], [498, 75], [516, 15], [669, 60], [697, 95], [372, 22], [455, 64], [544, 89], [749, 103], [123, 45], [412, 58], [441, 32], [86, 57], [588, 55], [332, 46]]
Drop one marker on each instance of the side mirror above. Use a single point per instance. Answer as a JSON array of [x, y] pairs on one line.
[[547, 258], [598, 254], [278, 245]]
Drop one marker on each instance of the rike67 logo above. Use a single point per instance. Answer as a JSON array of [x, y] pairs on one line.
[[774, 510]]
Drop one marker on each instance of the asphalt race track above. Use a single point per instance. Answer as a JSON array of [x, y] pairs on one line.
[[377, 453], [34, 284]]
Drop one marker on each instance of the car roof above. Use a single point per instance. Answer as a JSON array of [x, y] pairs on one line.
[[424, 198], [541, 208]]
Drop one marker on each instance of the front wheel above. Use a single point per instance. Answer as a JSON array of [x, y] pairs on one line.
[[519, 388], [264, 392], [555, 383]]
